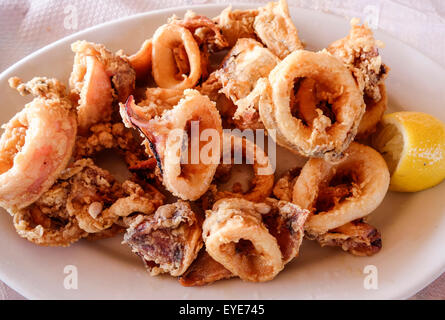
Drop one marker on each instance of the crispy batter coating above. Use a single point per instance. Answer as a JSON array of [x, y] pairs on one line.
[[167, 241], [284, 186], [244, 65], [360, 52], [103, 136], [274, 26], [237, 24], [47, 222], [97, 200], [236, 237]]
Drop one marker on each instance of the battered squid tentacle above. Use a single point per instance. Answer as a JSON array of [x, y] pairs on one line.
[[97, 200], [176, 59], [46, 222], [341, 192], [187, 172], [167, 241], [98, 78], [357, 237], [339, 107], [37, 143]]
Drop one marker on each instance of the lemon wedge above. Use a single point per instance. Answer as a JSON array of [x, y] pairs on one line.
[[413, 145]]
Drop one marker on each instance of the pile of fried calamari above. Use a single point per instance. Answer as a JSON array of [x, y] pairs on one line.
[[244, 69]]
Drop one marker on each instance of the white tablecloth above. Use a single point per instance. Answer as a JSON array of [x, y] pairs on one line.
[[27, 25]]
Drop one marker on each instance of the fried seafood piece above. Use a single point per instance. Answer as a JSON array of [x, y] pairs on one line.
[[185, 140], [274, 27], [236, 237], [338, 105], [104, 136], [97, 200], [176, 58], [98, 78], [242, 151], [211, 87], [159, 100], [244, 65], [341, 192], [36, 144], [237, 24], [46, 222], [141, 60], [373, 114], [205, 31], [360, 53], [357, 237], [204, 270], [254, 240], [285, 221], [284, 186], [167, 241]]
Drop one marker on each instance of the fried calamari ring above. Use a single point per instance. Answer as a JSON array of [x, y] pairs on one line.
[[273, 25], [176, 59], [167, 241], [244, 65], [235, 236], [357, 237], [341, 192], [374, 113], [37, 143], [329, 135], [97, 77], [262, 183], [187, 173], [46, 222]]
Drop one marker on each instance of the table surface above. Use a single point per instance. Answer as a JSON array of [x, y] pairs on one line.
[[418, 23]]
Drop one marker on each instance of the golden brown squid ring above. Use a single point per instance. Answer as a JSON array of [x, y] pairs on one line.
[[326, 137], [236, 237], [176, 59], [338, 193], [262, 183], [37, 143], [374, 113], [167, 136]]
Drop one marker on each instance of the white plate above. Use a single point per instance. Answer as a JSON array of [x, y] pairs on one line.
[[412, 225]]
